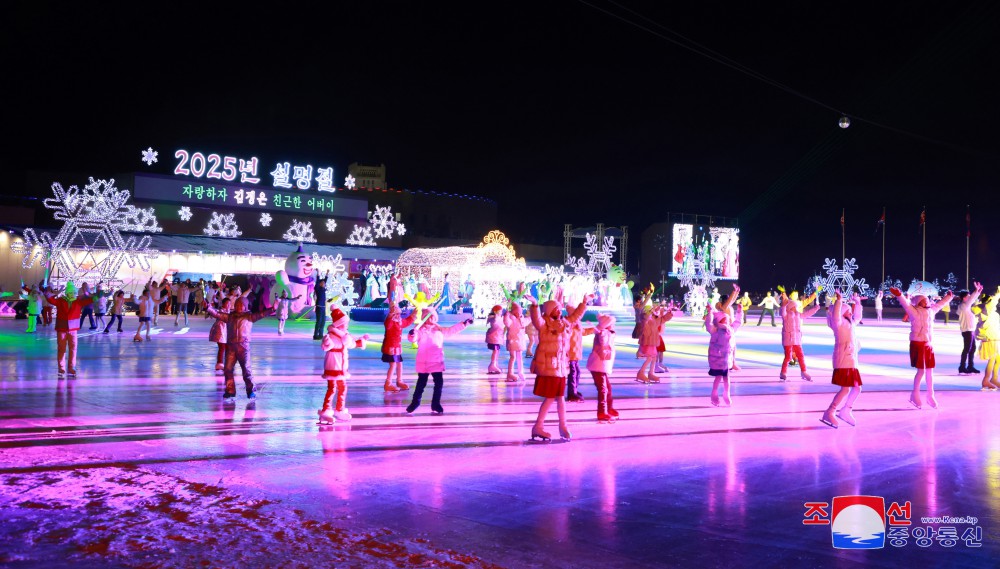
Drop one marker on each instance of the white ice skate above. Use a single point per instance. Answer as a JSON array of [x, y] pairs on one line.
[[325, 416]]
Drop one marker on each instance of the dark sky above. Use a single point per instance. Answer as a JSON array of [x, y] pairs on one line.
[[559, 111]]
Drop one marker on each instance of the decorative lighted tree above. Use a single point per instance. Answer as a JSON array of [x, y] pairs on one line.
[[90, 247]]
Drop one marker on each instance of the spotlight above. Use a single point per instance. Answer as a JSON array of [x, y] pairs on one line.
[[844, 122]]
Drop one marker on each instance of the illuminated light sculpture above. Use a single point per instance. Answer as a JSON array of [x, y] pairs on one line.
[[930, 290], [331, 225], [297, 280], [184, 213], [300, 232], [361, 235], [349, 182], [698, 280], [598, 260], [400, 229], [222, 226], [383, 222], [89, 246], [265, 220], [842, 279], [149, 156]]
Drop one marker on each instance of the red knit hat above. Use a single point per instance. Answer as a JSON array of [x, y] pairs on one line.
[[497, 308], [337, 316]]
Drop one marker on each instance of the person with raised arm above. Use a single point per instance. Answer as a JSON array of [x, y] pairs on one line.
[[842, 320], [920, 313], [792, 314], [967, 325]]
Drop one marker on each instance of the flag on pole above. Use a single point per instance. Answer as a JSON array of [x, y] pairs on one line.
[[968, 222], [842, 217], [880, 223], [923, 218]]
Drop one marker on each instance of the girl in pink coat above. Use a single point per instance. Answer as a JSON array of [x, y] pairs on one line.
[[514, 322], [494, 338], [649, 342], [720, 351], [218, 335], [792, 313], [550, 364], [336, 344], [842, 320], [921, 314], [430, 357], [600, 364]]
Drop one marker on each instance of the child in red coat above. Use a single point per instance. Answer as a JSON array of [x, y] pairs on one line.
[[392, 353], [68, 310]]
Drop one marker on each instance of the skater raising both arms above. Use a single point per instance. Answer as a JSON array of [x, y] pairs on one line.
[[337, 342], [842, 320], [550, 364], [430, 357], [239, 328], [920, 312], [720, 352], [989, 335], [68, 309], [792, 314]]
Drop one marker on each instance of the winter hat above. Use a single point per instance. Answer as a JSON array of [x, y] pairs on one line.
[[605, 321], [916, 300], [431, 315], [549, 306], [720, 318], [70, 290], [496, 309], [338, 317], [241, 304]]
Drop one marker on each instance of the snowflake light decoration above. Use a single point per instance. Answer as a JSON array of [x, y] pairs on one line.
[[94, 218], [149, 156], [361, 235], [842, 279], [300, 232], [265, 219], [331, 225], [185, 213], [328, 263], [349, 182], [598, 260], [383, 222], [400, 229], [222, 226], [343, 288]]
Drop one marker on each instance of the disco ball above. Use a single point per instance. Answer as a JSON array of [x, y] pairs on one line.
[[844, 122]]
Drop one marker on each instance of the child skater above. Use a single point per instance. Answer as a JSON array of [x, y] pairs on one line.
[[101, 298], [967, 325], [430, 357], [148, 306], [878, 306], [284, 302], [35, 300], [989, 335], [649, 342], [68, 311], [550, 362], [532, 334], [921, 316], [88, 311], [117, 311], [392, 352], [720, 351], [514, 323], [336, 344], [792, 313], [842, 321], [218, 334], [494, 337], [573, 356], [600, 364], [239, 327]]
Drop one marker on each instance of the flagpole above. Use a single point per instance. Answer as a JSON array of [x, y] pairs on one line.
[[968, 231], [843, 239], [923, 226], [883, 244]]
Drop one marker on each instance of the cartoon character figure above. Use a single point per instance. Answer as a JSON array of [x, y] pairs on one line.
[[297, 279]]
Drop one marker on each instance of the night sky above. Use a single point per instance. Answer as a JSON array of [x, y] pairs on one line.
[[560, 111]]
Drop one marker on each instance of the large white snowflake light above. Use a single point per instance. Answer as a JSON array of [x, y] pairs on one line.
[[362, 235], [842, 279], [343, 288], [222, 226], [383, 222], [265, 219], [349, 182], [331, 225], [300, 232], [149, 156], [185, 213], [89, 246]]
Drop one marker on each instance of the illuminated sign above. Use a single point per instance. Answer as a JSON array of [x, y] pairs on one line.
[[226, 168], [242, 196]]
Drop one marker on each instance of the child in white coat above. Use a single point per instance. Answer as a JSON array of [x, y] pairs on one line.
[[336, 344], [845, 360]]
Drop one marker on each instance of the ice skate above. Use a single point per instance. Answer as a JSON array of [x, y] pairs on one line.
[[653, 378], [511, 378], [660, 369], [539, 433], [715, 400], [219, 367], [493, 370], [71, 371], [613, 413], [829, 419], [325, 416], [806, 377], [727, 400], [62, 372], [932, 402], [564, 433], [401, 385], [641, 377], [846, 416], [915, 401], [782, 377], [137, 338], [390, 388], [973, 370], [605, 418], [343, 415], [229, 399]]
